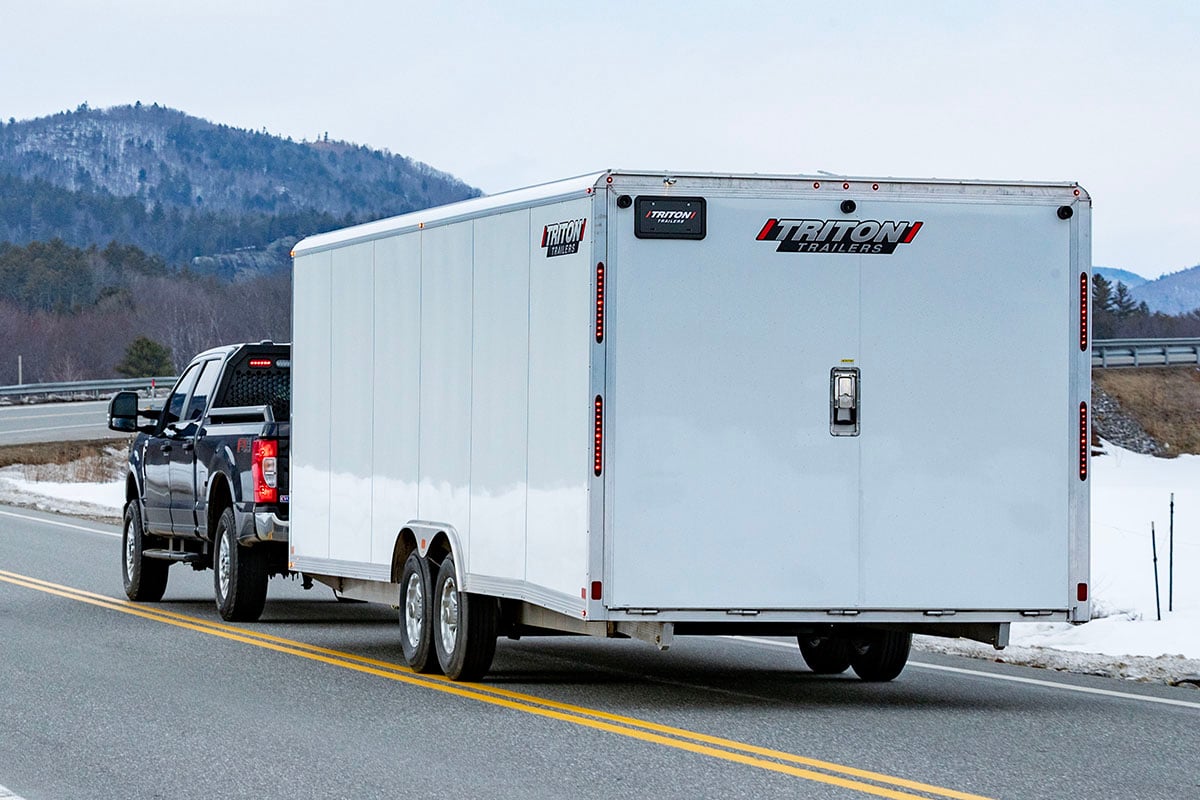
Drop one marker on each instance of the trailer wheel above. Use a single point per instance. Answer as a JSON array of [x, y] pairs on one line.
[[464, 630], [145, 579], [881, 656], [825, 655], [239, 574], [416, 615]]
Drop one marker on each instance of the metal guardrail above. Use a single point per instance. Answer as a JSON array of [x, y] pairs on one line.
[[86, 387], [1145, 352]]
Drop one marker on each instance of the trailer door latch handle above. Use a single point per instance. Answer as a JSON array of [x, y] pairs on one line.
[[843, 401]]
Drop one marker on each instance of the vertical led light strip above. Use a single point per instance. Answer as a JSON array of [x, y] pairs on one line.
[[598, 444], [1083, 311], [599, 302], [1083, 441]]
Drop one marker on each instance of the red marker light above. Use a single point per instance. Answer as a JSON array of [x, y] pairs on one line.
[[1083, 311], [1083, 441], [599, 302], [259, 363], [1081, 592], [598, 440]]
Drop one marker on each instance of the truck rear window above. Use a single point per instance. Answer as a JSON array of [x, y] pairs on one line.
[[254, 385]]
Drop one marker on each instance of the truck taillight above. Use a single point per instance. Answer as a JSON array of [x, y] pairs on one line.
[[260, 363], [264, 465]]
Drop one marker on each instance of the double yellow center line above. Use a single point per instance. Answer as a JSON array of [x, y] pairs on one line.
[[860, 780]]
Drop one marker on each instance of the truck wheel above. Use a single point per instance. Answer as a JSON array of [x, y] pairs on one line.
[[464, 628], [882, 656], [825, 655], [416, 615], [145, 579], [239, 574]]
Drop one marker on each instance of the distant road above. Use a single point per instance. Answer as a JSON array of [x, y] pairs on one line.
[[55, 422]]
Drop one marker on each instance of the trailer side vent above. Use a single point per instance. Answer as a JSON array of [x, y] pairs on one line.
[[1083, 441], [599, 302], [598, 443], [1083, 311]]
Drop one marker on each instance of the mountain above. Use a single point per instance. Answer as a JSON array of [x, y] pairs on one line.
[[184, 188], [1176, 293], [1114, 275]]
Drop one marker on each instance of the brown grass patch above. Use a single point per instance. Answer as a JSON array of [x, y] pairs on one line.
[[75, 462], [1165, 400]]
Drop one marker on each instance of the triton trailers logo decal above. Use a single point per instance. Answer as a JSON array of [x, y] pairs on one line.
[[838, 235], [563, 238]]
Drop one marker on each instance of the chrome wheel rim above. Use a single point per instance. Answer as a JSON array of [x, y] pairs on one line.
[[130, 550], [414, 610], [223, 565], [449, 615]]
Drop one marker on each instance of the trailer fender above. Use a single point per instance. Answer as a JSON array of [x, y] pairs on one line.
[[434, 540]]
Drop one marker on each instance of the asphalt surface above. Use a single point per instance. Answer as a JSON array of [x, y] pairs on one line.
[[100, 699], [55, 422]]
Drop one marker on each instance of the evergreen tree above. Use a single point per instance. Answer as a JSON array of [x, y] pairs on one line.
[[146, 358], [1123, 304]]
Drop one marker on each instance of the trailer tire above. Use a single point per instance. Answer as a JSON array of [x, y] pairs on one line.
[[880, 656], [416, 615], [464, 628], [145, 579], [825, 655], [239, 574]]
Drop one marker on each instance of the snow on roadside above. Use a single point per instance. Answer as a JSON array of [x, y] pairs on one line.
[[1125, 638], [51, 488]]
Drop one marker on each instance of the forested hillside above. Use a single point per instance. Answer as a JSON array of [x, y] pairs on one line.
[[143, 221]]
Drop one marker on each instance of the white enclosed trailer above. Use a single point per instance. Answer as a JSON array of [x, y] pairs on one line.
[[645, 404]]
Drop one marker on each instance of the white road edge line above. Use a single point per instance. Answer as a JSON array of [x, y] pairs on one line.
[[55, 428], [8, 794], [1011, 678], [60, 525]]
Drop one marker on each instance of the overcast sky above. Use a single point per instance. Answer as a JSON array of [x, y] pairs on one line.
[[509, 94]]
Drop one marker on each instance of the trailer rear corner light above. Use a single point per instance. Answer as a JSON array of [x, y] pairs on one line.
[[1083, 311], [1083, 441], [598, 441], [1081, 592], [597, 590], [599, 302]]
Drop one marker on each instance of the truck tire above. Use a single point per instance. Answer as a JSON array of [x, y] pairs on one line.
[[464, 627], [825, 655], [416, 615], [145, 579], [239, 574], [881, 656]]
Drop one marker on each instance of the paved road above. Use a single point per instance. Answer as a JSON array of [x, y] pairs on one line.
[[55, 422], [100, 698]]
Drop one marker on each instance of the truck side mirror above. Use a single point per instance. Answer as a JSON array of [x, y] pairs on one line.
[[123, 412]]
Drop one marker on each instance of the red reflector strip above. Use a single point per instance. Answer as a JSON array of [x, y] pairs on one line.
[[1081, 592], [1083, 441], [596, 590], [598, 443], [259, 363], [1083, 311], [599, 302]]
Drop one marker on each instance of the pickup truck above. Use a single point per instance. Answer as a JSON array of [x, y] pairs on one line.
[[207, 483]]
